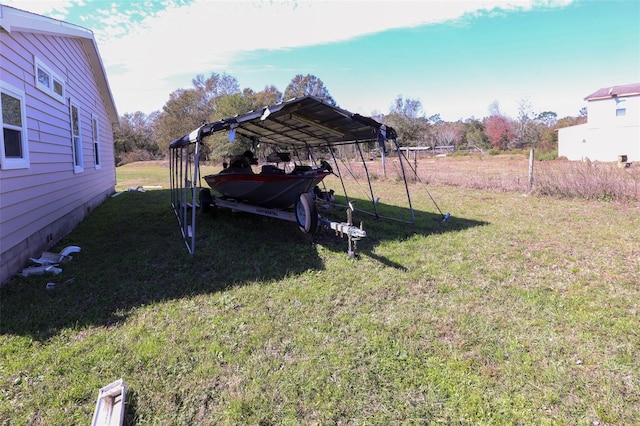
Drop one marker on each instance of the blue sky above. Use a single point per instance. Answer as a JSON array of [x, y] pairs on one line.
[[456, 57]]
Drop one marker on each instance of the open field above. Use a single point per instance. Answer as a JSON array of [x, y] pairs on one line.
[[589, 180], [569, 179], [519, 310]]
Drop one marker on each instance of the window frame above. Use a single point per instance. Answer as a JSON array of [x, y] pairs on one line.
[[95, 135], [53, 79], [12, 163], [76, 138]]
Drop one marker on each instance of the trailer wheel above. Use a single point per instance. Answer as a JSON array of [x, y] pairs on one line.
[[205, 200], [307, 213]]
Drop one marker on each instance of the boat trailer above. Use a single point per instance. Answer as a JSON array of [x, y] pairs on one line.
[[304, 213]]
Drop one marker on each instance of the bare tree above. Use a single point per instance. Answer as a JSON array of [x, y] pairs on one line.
[[447, 134], [494, 108], [527, 131]]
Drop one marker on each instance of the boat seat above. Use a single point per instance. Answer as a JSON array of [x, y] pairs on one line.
[[270, 169], [300, 170], [279, 157]]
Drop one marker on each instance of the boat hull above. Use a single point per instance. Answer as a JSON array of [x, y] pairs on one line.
[[269, 190]]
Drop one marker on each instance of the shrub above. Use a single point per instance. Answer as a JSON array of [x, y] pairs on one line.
[[459, 153], [546, 155]]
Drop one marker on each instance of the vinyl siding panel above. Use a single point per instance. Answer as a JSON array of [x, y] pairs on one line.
[[41, 204], [26, 214]]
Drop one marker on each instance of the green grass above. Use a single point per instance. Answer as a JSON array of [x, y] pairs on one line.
[[519, 310]]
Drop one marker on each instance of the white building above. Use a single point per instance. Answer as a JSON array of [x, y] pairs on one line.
[[612, 128]]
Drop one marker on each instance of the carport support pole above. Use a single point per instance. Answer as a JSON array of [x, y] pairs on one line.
[[366, 170], [404, 178], [335, 161]]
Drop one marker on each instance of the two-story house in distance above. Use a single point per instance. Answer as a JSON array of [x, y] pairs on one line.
[[612, 128]]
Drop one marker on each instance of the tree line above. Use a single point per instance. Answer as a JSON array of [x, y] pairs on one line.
[[142, 137]]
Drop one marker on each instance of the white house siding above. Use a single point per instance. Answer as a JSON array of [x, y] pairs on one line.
[[599, 144], [573, 142], [605, 136], [42, 203]]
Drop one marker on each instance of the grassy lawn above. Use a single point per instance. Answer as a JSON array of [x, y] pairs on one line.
[[519, 310]]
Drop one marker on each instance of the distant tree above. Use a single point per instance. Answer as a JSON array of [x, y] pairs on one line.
[[229, 105], [407, 118], [409, 108], [500, 131], [182, 113], [133, 139], [527, 132], [476, 139], [447, 134], [233, 104], [570, 121], [213, 87], [547, 136], [302, 85], [548, 118], [494, 108], [269, 96], [435, 119], [124, 136], [187, 109], [473, 135]]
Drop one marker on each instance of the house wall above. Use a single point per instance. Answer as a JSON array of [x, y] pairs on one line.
[[602, 112], [572, 142], [606, 135], [42, 203]]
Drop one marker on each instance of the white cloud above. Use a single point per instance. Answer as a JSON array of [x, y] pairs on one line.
[[149, 53], [170, 47]]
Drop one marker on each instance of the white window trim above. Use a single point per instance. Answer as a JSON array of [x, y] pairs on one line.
[[53, 77], [76, 155], [95, 134], [15, 163]]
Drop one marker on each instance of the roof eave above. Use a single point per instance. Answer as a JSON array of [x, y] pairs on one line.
[[622, 95]]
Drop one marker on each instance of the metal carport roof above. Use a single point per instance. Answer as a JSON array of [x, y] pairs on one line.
[[301, 122]]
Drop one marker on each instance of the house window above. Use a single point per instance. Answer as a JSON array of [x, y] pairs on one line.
[[621, 112], [96, 141], [48, 81], [13, 140], [76, 139]]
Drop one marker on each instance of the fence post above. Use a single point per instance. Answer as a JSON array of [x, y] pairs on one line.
[[531, 169]]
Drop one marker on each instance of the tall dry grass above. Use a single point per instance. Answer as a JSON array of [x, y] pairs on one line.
[[510, 173], [604, 181]]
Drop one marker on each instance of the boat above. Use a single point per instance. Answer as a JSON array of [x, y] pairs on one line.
[[300, 125], [272, 187]]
